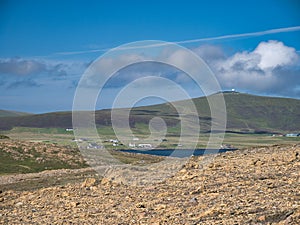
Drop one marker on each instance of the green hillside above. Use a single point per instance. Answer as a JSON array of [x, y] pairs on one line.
[[245, 113], [262, 113]]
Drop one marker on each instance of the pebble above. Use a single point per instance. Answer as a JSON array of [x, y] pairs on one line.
[[194, 200], [18, 204]]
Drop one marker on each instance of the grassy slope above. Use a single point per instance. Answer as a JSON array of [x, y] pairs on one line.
[[246, 112], [262, 113]]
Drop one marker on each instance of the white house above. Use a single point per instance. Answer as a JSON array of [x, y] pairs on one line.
[[144, 145], [94, 146], [131, 145]]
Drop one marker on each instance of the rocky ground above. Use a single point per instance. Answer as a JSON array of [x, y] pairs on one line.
[[251, 186]]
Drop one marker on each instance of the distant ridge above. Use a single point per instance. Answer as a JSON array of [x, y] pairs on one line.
[[245, 113], [8, 113]]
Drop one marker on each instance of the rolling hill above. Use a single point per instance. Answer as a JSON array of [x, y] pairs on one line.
[[245, 113]]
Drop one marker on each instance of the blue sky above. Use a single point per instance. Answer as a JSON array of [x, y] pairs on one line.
[[45, 46]]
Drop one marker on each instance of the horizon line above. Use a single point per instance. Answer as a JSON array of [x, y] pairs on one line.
[[109, 108]]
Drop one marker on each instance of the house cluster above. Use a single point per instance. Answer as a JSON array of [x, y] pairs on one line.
[[293, 135], [80, 139], [226, 146], [114, 142], [93, 145], [144, 146], [133, 145], [286, 135]]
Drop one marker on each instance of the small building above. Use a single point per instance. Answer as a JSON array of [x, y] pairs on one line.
[[94, 146], [144, 145], [113, 140], [80, 140], [226, 146], [69, 129], [131, 145]]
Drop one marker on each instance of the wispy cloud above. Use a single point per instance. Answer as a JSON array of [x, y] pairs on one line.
[[222, 37], [251, 34]]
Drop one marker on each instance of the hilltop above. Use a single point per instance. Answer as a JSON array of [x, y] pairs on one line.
[[245, 113]]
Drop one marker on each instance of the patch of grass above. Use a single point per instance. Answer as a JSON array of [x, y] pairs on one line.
[[41, 130], [3, 136], [135, 159], [29, 157], [10, 165], [105, 130]]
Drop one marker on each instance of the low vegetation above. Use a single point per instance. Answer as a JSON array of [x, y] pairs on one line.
[[28, 157], [3, 136]]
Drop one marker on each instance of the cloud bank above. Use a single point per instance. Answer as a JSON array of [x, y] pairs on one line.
[[271, 68], [21, 67], [28, 67], [23, 72]]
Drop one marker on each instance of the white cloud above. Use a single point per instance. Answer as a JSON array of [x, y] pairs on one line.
[[270, 68], [29, 67], [21, 67], [274, 54], [27, 72]]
